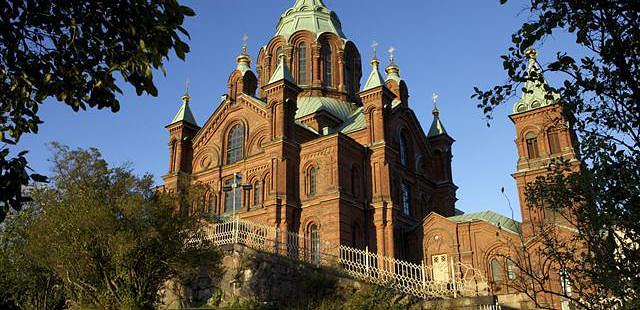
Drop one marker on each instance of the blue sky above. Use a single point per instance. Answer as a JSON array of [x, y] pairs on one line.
[[447, 47]]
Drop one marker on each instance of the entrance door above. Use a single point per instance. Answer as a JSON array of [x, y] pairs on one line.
[[440, 265]]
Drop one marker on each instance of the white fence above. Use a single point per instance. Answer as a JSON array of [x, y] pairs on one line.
[[410, 278]]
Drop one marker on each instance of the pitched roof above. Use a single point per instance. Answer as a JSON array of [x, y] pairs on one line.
[[436, 127], [375, 78], [536, 93], [490, 217], [184, 114], [282, 73], [338, 108]]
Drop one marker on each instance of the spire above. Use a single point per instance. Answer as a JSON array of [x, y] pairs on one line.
[[393, 71], [243, 60], [436, 127], [184, 113], [375, 78], [535, 95], [282, 72]]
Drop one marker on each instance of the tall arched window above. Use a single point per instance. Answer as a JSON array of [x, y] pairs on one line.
[[257, 194], [213, 203], [355, 233], [328, 65], [496, 270], [403, 149], [313, 176], [235, 141], [302, 64], [172, 151], [406, 199], [314, 240], [554, 141], [532, 145], [233, 196], [355, 181]]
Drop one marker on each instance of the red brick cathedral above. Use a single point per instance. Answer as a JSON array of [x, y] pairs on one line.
[[320, 154]]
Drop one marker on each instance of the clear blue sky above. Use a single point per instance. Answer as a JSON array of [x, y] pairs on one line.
[[446, 47]]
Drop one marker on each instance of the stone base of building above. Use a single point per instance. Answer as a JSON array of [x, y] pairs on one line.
[[279, 282]]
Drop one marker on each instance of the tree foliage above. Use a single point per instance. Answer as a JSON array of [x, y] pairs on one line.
[[103, 235], [73, 51], [601, 96]]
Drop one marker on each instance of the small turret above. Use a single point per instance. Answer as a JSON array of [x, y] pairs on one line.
[[394, 82], [376, 102], [282, 95], [242, 79], [182, 129]]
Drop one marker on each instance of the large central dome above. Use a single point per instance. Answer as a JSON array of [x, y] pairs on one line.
[[310, 15]]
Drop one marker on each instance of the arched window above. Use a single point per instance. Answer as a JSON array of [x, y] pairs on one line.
[[328, 65], [355, 181], [233, 196], [314, 240], [213, 203], [172, 161], [406, 199], [403, 149], [496, 270], [302, 64], [257, 194], [554, 141], [313, 176], [532, 145], [235, 141], [355, 233], [265, 187]]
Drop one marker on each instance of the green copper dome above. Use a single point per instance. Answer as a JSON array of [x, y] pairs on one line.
[[310, 15]]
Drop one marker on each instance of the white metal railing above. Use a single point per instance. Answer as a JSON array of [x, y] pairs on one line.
[[410, 278]]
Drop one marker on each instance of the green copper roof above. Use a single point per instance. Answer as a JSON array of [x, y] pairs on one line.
[[355, 122], [310, 15], [282, 73], [490, 217], [375, 78], [535, 95], [185, 114], [436, 127], [309, 105]]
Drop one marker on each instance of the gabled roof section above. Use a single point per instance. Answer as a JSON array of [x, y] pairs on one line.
[[535, 95], [338, 108], [375, 78], [355, 122], [184, 113], [310, 15], [282, 72], [490, 217]]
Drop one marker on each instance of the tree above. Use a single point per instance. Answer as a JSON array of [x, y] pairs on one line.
[[71, 51], [107, 237], [601, 93], [23, 283]]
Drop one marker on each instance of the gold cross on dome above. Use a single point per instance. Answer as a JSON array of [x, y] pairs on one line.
[[374, 45], [245, 39], [391, 57], [435, 98]]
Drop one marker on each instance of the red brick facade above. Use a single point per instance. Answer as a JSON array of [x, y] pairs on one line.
[[317, 151], [356, 164]]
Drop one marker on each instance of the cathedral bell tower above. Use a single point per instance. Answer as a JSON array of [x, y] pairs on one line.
[[543, 134]]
